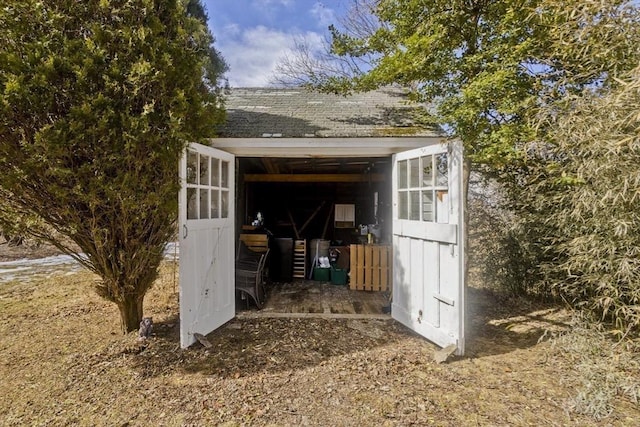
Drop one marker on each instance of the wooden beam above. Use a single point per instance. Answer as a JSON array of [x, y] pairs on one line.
[[326, 223], [293, 224], [270, 165], [311, 217], [314, 177]]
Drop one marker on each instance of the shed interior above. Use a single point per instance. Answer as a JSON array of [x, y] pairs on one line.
[[297, 198]]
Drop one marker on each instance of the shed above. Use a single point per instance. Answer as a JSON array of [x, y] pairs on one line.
[[298, 158]]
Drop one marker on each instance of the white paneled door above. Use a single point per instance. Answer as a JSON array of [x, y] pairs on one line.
[[428, 265], [207, 292]]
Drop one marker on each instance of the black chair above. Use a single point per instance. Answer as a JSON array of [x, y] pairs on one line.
[[251, 274]]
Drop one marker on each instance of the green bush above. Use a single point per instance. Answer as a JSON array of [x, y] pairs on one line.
[[581, 204], [98, 100]]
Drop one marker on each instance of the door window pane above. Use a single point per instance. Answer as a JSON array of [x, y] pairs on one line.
[[224, 183], [204, 204], [427, 171], [192, 167], [442, 167], [414, 173], [215, 172], [414, 205], [215, 204], [204, 170], [403, 205], [442, 206], [192, 203], [225, 204], [402, 174], [427, 205]]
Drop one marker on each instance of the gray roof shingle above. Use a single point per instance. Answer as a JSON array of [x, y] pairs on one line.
[[299, 113]]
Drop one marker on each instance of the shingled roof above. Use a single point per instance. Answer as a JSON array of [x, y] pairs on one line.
[[299, 113]]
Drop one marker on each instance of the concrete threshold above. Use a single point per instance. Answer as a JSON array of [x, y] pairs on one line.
[[267, 315]]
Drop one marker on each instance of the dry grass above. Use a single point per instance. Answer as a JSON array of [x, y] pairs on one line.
[[63, 362], [606, 369]]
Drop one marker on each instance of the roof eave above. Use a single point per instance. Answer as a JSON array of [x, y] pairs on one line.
[[322, 147]]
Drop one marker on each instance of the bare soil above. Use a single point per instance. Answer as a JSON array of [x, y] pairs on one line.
[[63, 361]]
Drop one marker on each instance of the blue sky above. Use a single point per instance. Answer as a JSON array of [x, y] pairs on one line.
[[253, 34]]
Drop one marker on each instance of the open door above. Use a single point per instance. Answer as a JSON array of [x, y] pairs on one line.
[[428, 252], [207, 295]]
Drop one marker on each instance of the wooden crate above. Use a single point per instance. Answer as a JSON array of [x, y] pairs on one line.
[[299, 259], [370, 267], [256, 242]]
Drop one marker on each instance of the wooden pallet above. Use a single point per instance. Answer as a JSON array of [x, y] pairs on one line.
[[370, 267], [299, 259]]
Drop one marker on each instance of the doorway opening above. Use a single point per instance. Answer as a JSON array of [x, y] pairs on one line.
[[327, 203]]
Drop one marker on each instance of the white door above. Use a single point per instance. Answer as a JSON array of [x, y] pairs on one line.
[[428, 253], [207, 292]]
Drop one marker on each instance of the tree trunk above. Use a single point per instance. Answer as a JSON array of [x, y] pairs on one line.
[[131, 313]]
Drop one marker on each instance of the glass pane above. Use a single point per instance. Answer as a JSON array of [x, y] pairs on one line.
[[192, 167], [192, 203], [442, 166], [403, 205], [215, 204], [215, 172], [442, 206], [427, 171], [204, 204], [225, 204], [402, 174], [414, 173], [414, 205], [427, 205], [204, 170], [224, 183]]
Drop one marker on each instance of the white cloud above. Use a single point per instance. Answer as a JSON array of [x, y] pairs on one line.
[[267, 3], [324, 15], [230, 30], [253, 55]]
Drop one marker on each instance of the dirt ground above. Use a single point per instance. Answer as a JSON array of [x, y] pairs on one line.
[[63, 361]]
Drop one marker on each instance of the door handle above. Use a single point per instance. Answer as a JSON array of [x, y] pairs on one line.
[[185, 231]]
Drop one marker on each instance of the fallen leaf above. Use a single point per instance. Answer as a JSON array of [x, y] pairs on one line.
[[203, 340], [442, 355]]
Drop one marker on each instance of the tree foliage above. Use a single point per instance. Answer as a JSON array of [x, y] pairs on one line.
[[97, 101], [583, 201], [467, 59], [575, 197], [590, 41]]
